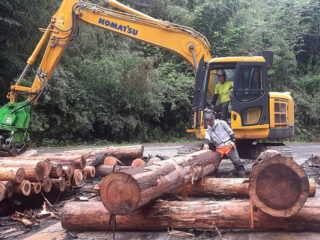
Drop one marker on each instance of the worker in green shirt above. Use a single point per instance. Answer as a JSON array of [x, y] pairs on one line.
[[223, 92]]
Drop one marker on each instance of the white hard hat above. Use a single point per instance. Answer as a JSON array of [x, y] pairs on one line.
[[221, 72]]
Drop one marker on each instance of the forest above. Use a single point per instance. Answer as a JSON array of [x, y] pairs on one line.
[[110, 88]]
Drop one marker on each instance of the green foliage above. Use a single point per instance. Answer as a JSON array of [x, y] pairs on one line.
[[115, 89]]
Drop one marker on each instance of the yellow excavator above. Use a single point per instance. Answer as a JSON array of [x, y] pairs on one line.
[[257, 115]]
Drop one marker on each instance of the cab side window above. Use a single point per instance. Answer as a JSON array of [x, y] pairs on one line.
[[249, 86]]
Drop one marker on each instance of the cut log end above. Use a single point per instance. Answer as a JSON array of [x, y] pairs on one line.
[[24, 188], [2, 191], [278, 186], [46, 184], [120, 193], [35, 187], [21, 174], [137, 162], [77, 177], [110, 161], [40, 171]]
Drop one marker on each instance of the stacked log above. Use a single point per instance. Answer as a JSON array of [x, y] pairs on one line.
[[163, 215], [225, 187], [124, 192], [278, 186]]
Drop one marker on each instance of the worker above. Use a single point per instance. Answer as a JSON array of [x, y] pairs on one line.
[[220, 134], [222, 92]]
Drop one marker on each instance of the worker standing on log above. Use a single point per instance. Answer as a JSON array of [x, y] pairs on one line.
[[220, 134]]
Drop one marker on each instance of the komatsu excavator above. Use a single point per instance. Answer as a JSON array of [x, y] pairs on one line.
[[256, 114]]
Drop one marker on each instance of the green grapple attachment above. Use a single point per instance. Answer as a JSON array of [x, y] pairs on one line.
[[14, 122]]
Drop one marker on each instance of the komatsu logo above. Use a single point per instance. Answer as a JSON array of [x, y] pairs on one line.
[[119, 27]]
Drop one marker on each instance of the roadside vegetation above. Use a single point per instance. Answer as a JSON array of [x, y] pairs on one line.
[[107, 88]]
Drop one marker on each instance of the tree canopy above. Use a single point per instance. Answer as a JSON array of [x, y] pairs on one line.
[[110, 87]]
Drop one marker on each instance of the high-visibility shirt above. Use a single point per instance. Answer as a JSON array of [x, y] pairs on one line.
[[224, 90]]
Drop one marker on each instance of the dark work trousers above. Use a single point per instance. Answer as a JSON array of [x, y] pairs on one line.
[[222, 108], [234, 157]]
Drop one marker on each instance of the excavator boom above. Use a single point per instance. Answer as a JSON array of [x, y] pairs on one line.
[[15, 116]]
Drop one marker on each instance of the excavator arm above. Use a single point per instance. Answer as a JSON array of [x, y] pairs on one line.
[[15, 116]]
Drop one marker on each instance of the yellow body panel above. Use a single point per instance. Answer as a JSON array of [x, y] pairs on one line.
[[238, 59], [247, 132], [285, 97]]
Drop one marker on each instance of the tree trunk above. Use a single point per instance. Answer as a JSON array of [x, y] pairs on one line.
[[110, 161], [312, 189], [163, 215], [23, 188], [77, 160], [278, 185], [2, 191], [225, 187], [46, 184], [14, 174], [91, 171], [35, 187], [59, 184], [104, 170], [124, 192], [9, 188], [122, 153], [35, 170], [138, 162], [68, 170], [77, 177], [56, 170]]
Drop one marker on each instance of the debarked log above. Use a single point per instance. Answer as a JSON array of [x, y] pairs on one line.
[[2, 191], [14, 174], [123, 152], [35, 170], [163, 215], [124, 192], [278, 185], [225, 187]]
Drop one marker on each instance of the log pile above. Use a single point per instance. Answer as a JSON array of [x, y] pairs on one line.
[[31, 173], [276, 193]]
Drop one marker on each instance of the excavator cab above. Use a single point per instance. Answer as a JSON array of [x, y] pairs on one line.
[[256, 113]]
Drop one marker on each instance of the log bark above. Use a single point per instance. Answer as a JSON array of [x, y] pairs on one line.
[[77, 177], [35, 187], [35, 170], [104, 170], [278, 185], [2, 191], [124, 192], [153, 160], [110, 161], [14, 174], [84, 175], [122, 153], [59, 184], [225, 187], [56, 170], [163, 215], [23, 188], [68, 170], [46, 184], [77, 160], [9, 188], [312, 189], [91, 171], [138, 162]]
